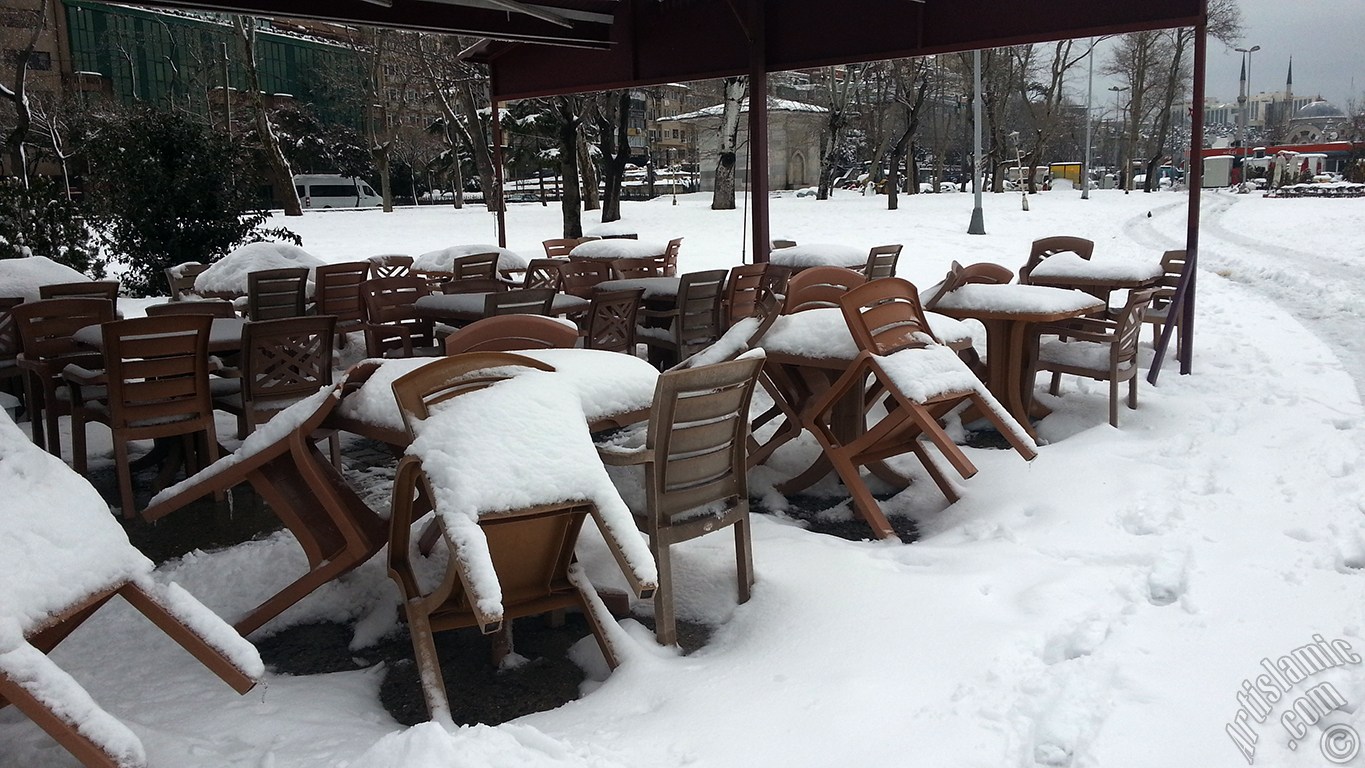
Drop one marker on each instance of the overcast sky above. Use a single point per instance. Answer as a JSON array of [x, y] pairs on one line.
[[1325, 37]]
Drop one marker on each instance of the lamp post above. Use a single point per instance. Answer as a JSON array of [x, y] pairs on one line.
[[1118, 133], [1246, 97], [977, 226], [1089, 93]]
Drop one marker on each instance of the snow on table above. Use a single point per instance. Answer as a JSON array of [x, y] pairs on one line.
[[619, 248], [611, 229], [522, 442], [443, 260], [819, 255], [23, 277], [1069, 265], [228, 275], [651, 287], [608, 385], [1015, 299]]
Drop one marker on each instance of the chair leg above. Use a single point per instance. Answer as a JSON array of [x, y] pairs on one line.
[[595, 611], [428, 666], [54, 436], [1056, 388], [125, 476], [1132, 391], [79, 459], [744, 558], [33, 402], [665, 623], [1113, 401], [334, 448]]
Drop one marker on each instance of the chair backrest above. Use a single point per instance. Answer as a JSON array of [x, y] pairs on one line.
[[577, 278], [881, 261], [668, 263], [283, 360], [559, 247], [611, 321], [535, 301], [1172, 267], [210, 307], [390, 265], [9, 331], [45, 327], [475, 265], [336, 291], [775, 278], [510, 333], [390, 299], [473, 285], [783, 244], [275, 293], [982, 273], [817, 287], [884, 316], [1051, 246], [741, 291], [698, 428], [626, 269], [180, 278], [698, 321], [543, 273], [1129, 328], [158, 370], [420, 390], [96, 289]]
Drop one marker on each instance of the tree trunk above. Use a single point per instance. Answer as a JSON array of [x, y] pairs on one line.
[[723, 198], [588, 170], [18, 96], [479, 147], [281, 178], [613, 124], [380, 154], [570, 202]]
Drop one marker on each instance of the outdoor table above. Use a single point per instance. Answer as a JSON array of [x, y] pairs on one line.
[[1097, 276], [610, 249], [654, 289], [1009, 313], [225, 335], [799, 257], [467, 307]]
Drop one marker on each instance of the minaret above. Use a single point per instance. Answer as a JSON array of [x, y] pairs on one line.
[[1288, 100], [1242, 107]]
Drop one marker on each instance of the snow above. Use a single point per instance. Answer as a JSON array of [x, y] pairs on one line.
[[1015, 299], [229, 274], [23, 277], [1101, 605], [619, 248], [443, 259], [611, 229], [820, 255], [1068, 264]]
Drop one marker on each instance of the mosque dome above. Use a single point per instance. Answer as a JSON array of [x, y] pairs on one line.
[[1319, 108]]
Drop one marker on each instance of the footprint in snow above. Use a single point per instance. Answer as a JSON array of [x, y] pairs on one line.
[[1168, 579]]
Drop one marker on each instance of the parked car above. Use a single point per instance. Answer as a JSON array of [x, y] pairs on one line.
[[332, 190]]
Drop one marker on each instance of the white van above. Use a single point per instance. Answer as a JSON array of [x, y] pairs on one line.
[[331, 190]]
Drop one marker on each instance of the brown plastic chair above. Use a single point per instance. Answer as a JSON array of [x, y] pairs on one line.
[[1159, 312], [483, 265], [336, 292], [687, 327], [157, 378], [881, 262], [559, 248], [96, 289], [390, 265], [668, 262], [885, 318], [35, 682], [579, 278], [628, 269], [392, 327], [46, 347], [775, 278], [210, 307], [511, 333], [531, 548], [10, 373], [778, 244], [1100, 349], [272, 294], [543, 273], [610, 322], [535, 301], [337, 530], [282, 362], [180, 278], [819, 287], [473, 285], [695, 478], [982, 273], [1051, 246], [742, 288]]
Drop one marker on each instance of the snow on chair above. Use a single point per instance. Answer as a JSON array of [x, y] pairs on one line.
[[478, 422], [60, 567]]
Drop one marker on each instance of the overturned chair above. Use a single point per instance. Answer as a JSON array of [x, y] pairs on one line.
[[70, 561], [509, 533]]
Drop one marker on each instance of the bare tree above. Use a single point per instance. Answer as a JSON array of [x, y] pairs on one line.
[[389, 70], [911, 79], [839, 93], [611, 113], [1043, 97], [460, 90], [281, 178], [17, 95], [723, 197]]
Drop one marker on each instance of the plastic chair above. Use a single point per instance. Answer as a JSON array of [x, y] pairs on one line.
[[336, 292], [483, 265], [818, 287], [473, 285], [742, 288], [11, 376], [180, 278], [46, 345], [881, 262], [610, 322], [392, 328], [211, 307], [1051, 246], [156, 370], [695, 478], [1100, 349], [580, 278], [668, 262], [1160, 311], [390, 265], [543, 273], [511, 333], [689, 325], [96, 289], [535, 301], [629, 269], [282, 362], [559, 248], [272, 294]]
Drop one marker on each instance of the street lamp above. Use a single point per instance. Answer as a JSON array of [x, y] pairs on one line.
[[1118, 113], [1089, 95], [1246, 97]]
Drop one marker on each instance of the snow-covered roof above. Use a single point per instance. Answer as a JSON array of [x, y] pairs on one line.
[[774, 105]]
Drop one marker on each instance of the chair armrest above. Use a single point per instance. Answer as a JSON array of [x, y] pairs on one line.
[[623, 457], [1091, 328], [80, 375]]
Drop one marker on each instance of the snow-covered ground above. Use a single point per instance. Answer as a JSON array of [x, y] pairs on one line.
[[1103, 605]]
